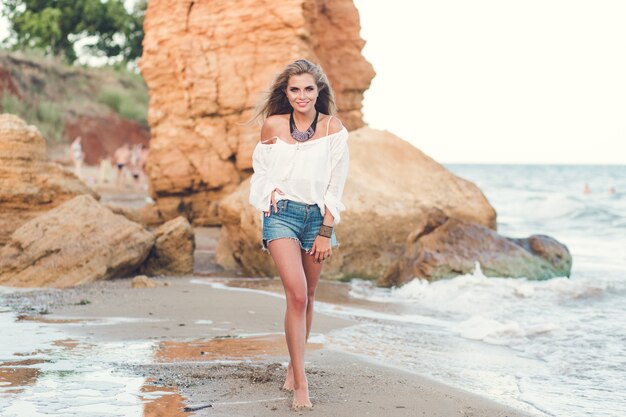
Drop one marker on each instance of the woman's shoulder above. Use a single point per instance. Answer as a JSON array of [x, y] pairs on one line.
[[335, 125], [332, 124], [276, 120], [271, 127]]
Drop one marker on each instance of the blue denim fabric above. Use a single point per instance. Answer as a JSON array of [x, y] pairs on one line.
[[294, 220]]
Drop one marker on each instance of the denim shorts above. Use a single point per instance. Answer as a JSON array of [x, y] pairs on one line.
[[294, 220]]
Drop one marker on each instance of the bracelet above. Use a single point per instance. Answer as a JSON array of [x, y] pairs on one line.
[[326, 231]]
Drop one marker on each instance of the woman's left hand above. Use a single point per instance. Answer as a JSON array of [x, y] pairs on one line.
[[321, 249]]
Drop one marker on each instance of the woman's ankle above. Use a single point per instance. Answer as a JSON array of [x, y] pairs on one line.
[[299, 384]]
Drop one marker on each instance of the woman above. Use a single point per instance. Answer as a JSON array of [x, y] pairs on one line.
[[300, 168]]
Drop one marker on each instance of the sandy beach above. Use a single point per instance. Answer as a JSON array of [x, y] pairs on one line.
[[224, 350]]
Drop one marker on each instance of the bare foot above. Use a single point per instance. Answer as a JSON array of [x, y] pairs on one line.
[[288, 386], [301, 398]]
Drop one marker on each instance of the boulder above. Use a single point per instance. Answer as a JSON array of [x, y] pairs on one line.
[[147, 216], [142, 281], [206, 65], [391, 186], [172, 253], [77, 242], [444, 247], [29, 183]]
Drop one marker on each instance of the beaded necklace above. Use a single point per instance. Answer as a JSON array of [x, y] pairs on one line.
[[307, 134]]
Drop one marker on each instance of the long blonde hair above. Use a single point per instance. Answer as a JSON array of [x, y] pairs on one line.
[[276, 100]]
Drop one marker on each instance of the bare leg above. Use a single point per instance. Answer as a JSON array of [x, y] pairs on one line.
[[312, 272], [78, 169], [286, 256], [120, 177]]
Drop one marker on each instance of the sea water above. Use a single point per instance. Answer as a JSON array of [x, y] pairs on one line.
[[555, 347]]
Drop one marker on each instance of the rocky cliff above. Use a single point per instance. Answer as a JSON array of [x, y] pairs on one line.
[[29, 183], [206, 64]]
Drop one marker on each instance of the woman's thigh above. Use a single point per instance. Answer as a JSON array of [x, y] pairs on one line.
[[312, 271], [286, 255]]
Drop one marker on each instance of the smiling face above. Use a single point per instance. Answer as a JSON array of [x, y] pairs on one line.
[[302, 92]]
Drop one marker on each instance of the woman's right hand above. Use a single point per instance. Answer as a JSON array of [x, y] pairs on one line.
[[273, 202]]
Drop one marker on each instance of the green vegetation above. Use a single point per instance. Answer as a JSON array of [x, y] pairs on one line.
[[12, 104], [46, 36], [123, 103], [55, 26], [42, 114], [52, 93], [130, 98]]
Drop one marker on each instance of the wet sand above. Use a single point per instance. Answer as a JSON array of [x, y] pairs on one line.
[[224, 350]]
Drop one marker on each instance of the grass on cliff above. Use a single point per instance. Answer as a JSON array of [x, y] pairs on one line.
[[43, 114], [52, 92], [128, 103]]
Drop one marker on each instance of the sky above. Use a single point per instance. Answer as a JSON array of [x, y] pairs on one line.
[[498, 81]]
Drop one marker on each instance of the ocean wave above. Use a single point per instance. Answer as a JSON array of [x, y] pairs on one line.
[[500, 333], [534, 206], [467, 292], [595, 214]]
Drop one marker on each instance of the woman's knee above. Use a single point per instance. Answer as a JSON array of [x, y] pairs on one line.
[[297, 300]]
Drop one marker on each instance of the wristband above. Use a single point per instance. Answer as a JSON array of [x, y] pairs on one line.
[[326, 231]]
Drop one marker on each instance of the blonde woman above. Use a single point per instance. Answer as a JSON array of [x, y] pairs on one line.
[[300, 168]]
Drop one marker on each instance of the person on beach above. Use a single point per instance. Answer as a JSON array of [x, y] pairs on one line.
[[122, 158], [104, 174], [77, 155], [300, 168], [135, 164]]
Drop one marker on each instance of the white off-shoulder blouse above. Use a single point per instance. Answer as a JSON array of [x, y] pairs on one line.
[[313, 172]]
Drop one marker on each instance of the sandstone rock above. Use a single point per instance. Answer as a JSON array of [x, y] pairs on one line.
[[142, 281], [206, 64], [77, 242], [444, 247], [29, 183], [391, 186], [239, 244], [147, 216], [172, 253]]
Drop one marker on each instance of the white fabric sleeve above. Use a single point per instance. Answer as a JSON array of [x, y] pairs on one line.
[[260, 185], [340, 159]]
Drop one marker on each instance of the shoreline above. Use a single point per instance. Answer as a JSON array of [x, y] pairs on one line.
[[245, 376]]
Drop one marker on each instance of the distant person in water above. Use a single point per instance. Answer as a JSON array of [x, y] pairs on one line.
[[586, 189], [612, 191], [122, 159], [300, 168], [77, 155]]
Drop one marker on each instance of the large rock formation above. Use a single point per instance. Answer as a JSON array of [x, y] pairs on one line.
[[444, 247], [205, 64], [172, 253], [390, 189], [29, 183], [80, 241]]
